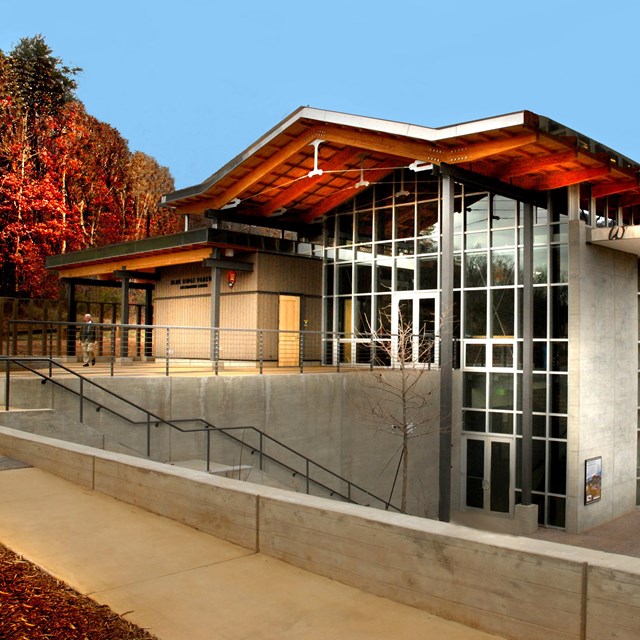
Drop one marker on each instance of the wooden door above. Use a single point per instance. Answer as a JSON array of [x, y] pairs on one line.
[[289, 331]]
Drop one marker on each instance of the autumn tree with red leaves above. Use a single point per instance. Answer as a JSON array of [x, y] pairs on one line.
[[67, 180]]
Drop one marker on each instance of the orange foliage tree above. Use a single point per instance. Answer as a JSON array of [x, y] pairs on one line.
[[67, 180]]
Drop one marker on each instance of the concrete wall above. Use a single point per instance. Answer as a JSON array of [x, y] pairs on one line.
[[325, 416], [603, 378], [516, 587]]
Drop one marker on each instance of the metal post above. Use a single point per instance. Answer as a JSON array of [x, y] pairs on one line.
[[301, 351], [148, 435], [215, 295], [208, 432], [166, 355], [527, 352], [113, 347], [216, 349], [372, 352], [446, 349], [81, 400], [7, 384]]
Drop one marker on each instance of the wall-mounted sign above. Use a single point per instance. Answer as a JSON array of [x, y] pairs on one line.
[[592, 480], [199, 282]]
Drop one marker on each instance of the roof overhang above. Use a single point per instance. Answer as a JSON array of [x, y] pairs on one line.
[[142, 258], [626, 239], [139, 255], [314, 160]]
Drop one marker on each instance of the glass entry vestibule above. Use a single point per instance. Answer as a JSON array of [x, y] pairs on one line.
[[488, 472], [383, 260]]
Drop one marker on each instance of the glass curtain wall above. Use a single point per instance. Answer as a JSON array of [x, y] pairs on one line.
[[490, 276], [383, 245], [383, 242]]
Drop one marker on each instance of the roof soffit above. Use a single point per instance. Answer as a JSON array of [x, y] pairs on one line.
[[280, 171]]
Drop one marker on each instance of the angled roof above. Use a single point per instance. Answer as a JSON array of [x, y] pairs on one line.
[[312, 161]]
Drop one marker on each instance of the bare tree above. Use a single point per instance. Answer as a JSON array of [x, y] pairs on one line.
[[399, 403]]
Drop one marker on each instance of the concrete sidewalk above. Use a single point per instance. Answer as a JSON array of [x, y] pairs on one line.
[[182, 584]]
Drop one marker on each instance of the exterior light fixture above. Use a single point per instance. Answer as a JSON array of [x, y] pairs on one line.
[[231, 278]]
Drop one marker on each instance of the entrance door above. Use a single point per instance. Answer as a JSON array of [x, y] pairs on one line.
[[414, 325], [289, 331], [488, 474]]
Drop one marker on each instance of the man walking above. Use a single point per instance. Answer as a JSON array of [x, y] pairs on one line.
[[88, 341]]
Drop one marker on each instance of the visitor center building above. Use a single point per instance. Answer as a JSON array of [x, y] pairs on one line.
[[511, 241]]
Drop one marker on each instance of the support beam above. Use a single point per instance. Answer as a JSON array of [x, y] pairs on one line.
[[480, 150], [164, 259], [533, 164], [629, 199], [299, 188], [90, 282], [567, 178], [137, 275], [527, 353], [264, 168], [609, 188], [331, 202], [446, 350], [218, 263]]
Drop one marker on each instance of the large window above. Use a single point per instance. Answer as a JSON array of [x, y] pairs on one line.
[[384, 245], [384, 241], [490, 252]]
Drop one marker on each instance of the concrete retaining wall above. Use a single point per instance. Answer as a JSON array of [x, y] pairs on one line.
[[325, 416], [515, 587]]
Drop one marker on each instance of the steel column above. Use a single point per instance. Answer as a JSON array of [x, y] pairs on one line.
[[527, 352], [446, 348]]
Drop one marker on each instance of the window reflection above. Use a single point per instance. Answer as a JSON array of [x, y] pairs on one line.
[[475, 272], [475, 313], [388, 240]]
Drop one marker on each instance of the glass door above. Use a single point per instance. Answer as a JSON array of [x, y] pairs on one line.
[[488, 474], [414, 326]]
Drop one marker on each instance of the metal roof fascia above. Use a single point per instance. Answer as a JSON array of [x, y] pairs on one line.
[[124, 249], [201, 188]]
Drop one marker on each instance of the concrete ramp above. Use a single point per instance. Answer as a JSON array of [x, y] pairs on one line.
[[183, 584]]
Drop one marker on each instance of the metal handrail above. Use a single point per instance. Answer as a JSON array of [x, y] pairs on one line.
[[353, 350], [308, 461], [208, 427]]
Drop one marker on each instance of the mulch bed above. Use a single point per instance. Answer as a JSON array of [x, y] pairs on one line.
[[36, 606]]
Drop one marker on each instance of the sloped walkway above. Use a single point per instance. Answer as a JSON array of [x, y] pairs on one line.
[[182, 584]]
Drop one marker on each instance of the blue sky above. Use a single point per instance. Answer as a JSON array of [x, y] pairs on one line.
[[194, 83]]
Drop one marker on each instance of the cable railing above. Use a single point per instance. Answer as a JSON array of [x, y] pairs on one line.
[[297, 464], [218, 349]]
